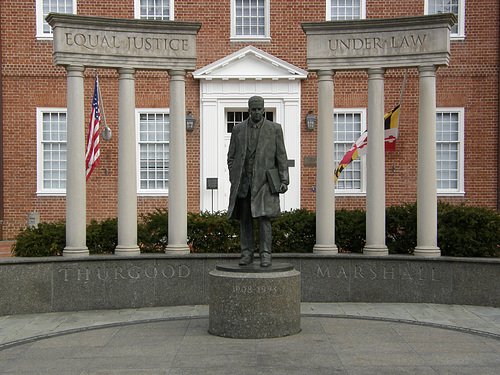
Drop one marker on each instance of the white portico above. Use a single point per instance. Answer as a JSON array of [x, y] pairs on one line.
[[126, 45], [377, 45], [225, 87]]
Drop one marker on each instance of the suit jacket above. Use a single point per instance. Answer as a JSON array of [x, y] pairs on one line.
[[270, 153]]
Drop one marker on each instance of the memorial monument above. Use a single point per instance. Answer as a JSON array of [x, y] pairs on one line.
[[248, 301], [258, 172]]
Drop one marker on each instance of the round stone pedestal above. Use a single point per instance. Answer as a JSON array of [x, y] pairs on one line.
[[250, 302]]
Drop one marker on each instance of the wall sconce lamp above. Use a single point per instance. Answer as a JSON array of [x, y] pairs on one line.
[[190, 122], [311, 121], [106, 133]]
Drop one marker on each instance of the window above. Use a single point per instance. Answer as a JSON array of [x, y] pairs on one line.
[[237, 116], [449, 151], [341, 10], [153, 151], [51, 151], [44, 7], [348, 126], [154, 9], [250, 20], [457, 7]]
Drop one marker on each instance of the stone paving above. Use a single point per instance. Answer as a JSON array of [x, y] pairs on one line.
[[336, 338]]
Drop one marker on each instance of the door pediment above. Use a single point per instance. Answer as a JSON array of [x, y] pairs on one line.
[[250, 63]]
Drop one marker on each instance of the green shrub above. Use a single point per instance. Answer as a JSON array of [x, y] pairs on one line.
[[294, 232], [350, 230], [466, 231], [152, 231], [462, 231], [48, 239], [213, 233], [401, 228], [102, 237]]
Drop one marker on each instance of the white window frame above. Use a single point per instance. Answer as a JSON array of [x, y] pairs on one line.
[[329, 10], [41, 191], [362, 190], [460, 190], [40, 21], [460, 35], [137, 10], [138, 112], [254, 38]]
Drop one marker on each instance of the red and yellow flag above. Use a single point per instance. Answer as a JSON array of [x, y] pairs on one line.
[[391, 120]]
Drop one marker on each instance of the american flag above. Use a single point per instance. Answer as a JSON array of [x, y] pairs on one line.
[[92, 155]]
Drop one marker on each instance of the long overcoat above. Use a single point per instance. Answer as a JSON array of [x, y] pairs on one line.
[[270, 153]]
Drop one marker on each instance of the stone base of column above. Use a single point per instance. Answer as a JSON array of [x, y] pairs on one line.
[[375, 250], [251, 302], [177, 249], [127, 250], [75, 252], [325, 249], [427, 251]]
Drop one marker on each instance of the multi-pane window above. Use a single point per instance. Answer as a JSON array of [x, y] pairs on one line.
[[154, 9], [44, 7], [250, 19], [348, 126], [342, 10], [457, 7], [449, 151], [235, 117], [51, 151], [153, 151]]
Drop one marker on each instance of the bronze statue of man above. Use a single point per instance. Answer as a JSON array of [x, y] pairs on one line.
[[256, 154]]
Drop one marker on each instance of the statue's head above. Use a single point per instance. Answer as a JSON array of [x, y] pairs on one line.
[[256, 108]]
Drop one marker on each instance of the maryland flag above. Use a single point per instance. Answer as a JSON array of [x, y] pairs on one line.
[[391, 120], [357, 149]]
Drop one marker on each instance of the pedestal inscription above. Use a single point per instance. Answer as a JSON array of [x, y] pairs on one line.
[[249, 304]]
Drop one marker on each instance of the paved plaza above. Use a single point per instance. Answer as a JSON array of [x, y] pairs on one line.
[[336, 338]]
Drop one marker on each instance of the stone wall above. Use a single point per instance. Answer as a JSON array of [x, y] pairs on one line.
[[36, 285]]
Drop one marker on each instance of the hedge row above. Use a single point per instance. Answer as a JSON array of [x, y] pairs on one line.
[[462, 231]]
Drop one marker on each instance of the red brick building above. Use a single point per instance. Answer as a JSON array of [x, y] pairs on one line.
[[243, 47]]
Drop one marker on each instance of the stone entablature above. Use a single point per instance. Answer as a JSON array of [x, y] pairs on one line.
[[113, 42], [371, 43]]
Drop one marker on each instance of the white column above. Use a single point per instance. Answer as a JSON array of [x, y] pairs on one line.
[[177, 179], [325, 187], [75, 171], [375, 158], [427, 186], [127, 180]]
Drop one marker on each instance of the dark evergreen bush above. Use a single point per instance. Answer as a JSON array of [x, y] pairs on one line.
[[401, 228], [48, 239], [152, 231], [294, 232], [350, 230], [102, 237], [465, 231], [213, 233], [462, 231]]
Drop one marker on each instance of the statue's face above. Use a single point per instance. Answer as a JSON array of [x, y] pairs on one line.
[[256, 111]]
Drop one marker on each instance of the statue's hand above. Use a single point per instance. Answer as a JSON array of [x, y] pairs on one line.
[[283, 188]]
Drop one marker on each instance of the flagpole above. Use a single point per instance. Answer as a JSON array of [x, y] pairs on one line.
[[403, 88], [401, 96], [100, 99]]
